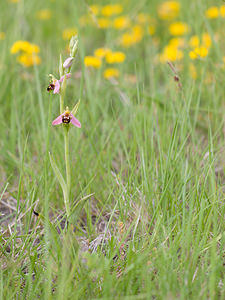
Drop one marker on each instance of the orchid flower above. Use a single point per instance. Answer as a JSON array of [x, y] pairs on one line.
[[66, 118], [55, 84]]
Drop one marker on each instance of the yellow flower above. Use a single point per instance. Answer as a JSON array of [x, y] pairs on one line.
[[24, 46], [104, 23], [177, 42], [28, 60], [143, 18], [206, 40], [198, 52], [94, 9], [151, 29], [115, 57], [111, 72], [193, 71], [92, 61], [101, 52], [2, 36], [222, 11], [69, 32], [44, 14], [169, 10], [138, 33], [121, 22], [126, 40], [212, 12], [194, 41], [14, 1], [178, 28], [131, 38], [193, 55], [111, 9], [171, 53]]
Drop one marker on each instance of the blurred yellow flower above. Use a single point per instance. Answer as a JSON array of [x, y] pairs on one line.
[[115, 57], [193, 55], [111, 9], [14, 1], [151, 29], [133, 37], [111, 72], [143, 18], [121, 22], [169, 10], [44, 14], [92, 61], [206, 40], [28, 60], [177, 42], [69, 32], [24, 46], [199, 52], [2, 35], [137, 32], [178, 28], [171, 53], [193, 71], [212, 12], [95, 9], [104, 23], [194, 41], [101, 52], [222, 11], [126, 40]]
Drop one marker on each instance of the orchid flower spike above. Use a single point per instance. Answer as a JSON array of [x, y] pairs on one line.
[[66, 118], [55, 84]]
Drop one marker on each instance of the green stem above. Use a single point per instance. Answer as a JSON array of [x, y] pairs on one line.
[[61, 103], [68, 170], [46, 163]]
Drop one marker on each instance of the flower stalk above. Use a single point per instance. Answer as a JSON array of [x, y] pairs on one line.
[[68, 169]]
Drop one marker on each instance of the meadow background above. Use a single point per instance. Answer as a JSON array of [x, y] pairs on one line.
[[147, 164]]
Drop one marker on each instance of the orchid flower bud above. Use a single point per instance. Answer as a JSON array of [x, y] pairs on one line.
[[68, 62], [73, 46]]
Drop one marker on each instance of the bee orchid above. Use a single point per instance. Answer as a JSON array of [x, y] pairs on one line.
[[55, 84], [66, 118]]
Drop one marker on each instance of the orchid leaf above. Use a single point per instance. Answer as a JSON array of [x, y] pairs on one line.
[[58, 175]]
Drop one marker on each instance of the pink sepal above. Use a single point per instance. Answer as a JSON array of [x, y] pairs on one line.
[[58, 120], [75, 122]]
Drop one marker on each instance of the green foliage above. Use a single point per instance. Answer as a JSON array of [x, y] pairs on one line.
[[147, 166]]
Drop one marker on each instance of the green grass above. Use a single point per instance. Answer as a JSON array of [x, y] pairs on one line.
[[148, 165]]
